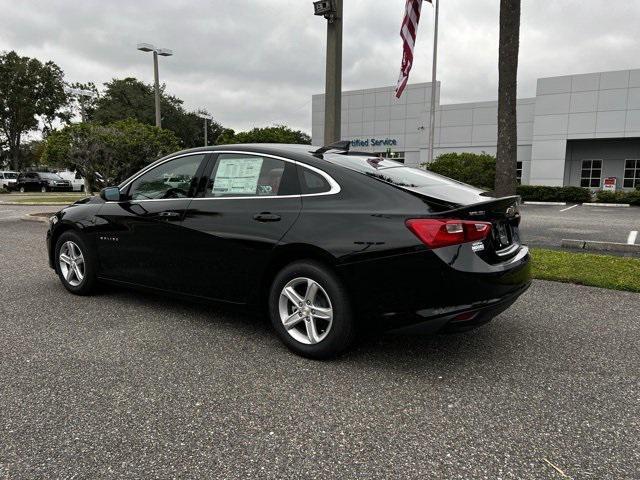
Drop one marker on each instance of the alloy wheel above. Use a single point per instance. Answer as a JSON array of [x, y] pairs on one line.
[[305, 310], [72, 264]]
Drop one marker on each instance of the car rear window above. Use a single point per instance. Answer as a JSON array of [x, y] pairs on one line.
[[414, 179]]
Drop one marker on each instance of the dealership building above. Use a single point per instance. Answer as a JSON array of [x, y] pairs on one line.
[[577, 130]]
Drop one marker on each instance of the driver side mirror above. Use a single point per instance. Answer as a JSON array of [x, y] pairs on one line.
[[110, 194]]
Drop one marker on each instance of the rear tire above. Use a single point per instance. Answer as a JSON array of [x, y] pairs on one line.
[[313, 302], [75, 263], [21, 189], [43, 189]]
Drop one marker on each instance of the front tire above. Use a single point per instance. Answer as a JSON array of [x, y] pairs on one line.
[[75, 264], [22, 190], [43, 189], [310, 310]]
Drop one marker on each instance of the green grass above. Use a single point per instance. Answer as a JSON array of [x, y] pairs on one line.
[[59, 199], [606, 271]]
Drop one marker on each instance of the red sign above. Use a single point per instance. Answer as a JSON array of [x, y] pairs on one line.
[[610, 184]]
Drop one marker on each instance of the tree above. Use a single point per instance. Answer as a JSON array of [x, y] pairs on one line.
[[475, 169], [29, 91], [86, 104], [275, 134], [115, 151], [507, 94], [131, 98]]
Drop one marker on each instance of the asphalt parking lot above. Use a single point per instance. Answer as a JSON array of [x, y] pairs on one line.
[[547, 225], [129, 385]]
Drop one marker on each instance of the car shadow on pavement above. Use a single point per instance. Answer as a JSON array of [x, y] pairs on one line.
[[379, 349]]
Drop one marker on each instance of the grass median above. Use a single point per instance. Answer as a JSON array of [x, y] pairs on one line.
[[606, 271], [45, 199]]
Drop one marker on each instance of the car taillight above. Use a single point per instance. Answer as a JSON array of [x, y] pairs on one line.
[[437, 233]]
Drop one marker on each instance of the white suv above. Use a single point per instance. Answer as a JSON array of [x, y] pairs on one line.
[[8, 179], [77, 182]]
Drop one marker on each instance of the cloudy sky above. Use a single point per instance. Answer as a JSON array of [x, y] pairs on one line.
[[257, 62]]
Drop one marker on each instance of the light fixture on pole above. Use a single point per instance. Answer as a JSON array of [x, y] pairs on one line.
[[80, 92], [205, 117], [332, 11], [163, 52]]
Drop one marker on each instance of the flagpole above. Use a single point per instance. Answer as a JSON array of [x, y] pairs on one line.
[[432, 122]]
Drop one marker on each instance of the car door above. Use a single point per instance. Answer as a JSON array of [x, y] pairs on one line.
[[249, 201], [140, 239], [32, 181]]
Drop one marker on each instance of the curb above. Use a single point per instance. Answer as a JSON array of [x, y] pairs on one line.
[[600, 246], [545, 203], [30, 217], [606, 205]]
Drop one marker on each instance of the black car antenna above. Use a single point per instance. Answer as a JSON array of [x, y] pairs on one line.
[[342, 146]]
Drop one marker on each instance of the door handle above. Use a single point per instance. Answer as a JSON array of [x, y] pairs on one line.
[[266, 217], [168, 214]]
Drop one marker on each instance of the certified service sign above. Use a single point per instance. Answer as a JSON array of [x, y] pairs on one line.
[[374, 142]]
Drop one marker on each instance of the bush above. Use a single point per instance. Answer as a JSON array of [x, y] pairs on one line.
[[632, 197], [540, 193], [4, 190], [475, 169]]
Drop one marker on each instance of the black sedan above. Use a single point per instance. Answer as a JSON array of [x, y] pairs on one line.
[[330, 242], [41, 182]]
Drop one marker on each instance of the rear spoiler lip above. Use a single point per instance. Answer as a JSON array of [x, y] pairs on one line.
[[504, 202]]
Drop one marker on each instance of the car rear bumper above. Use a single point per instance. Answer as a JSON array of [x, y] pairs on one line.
[[435, 287], [468, 317]]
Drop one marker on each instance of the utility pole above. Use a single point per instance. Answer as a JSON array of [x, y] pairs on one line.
[[332, 11], [432, 119]]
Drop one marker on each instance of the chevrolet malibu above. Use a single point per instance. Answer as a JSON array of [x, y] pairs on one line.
[[330, 242]]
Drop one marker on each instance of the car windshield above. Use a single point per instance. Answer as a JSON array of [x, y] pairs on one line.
[[50, 176], [10, 175]]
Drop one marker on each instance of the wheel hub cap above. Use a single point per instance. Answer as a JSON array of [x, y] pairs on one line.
[[305, 310], [71, 262]]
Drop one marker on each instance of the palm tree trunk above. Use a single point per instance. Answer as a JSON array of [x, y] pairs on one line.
[[507, 93]]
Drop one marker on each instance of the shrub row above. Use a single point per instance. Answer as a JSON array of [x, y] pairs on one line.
[[538, 193], [632, 198]]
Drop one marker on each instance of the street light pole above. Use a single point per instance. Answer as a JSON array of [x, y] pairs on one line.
[[79, 92], [432, 116], [157, 89], [332, 11], [205, 117], [163, 52]]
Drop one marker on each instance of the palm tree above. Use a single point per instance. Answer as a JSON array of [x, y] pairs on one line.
[[507, 91]]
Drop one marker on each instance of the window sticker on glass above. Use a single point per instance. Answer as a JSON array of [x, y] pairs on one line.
[[237, 176]]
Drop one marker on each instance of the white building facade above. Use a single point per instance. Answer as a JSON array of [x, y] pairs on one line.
[[577, 130]]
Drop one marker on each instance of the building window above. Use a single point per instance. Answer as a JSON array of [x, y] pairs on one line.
[[519, 172], [591, 173], [631, 173], [395, 156]]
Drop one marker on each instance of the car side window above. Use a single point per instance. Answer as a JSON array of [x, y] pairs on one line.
[[172, 179], [312, 182], [242, 175]]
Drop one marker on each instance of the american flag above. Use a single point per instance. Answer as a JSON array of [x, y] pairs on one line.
[[408, 34]]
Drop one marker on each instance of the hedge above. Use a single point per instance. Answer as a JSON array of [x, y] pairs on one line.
[[539, 193], [632, 198]]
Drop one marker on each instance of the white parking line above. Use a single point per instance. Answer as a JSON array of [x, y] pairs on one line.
[[569, 208], [631, 239]]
